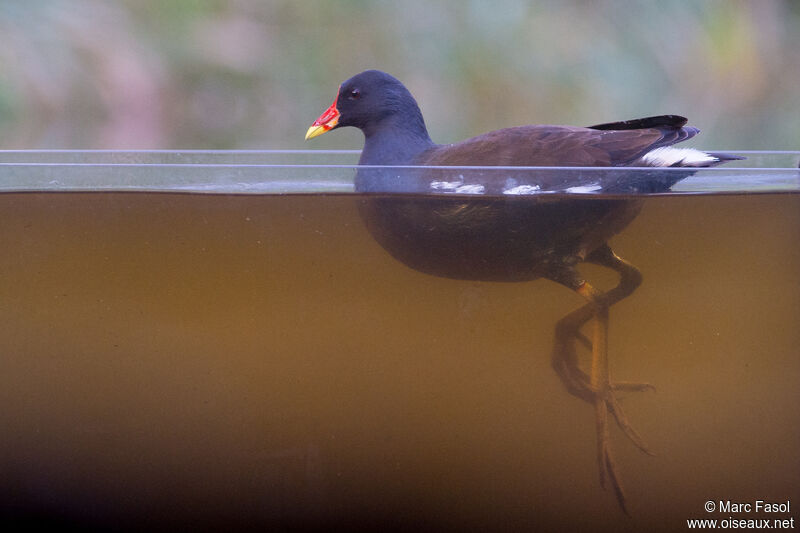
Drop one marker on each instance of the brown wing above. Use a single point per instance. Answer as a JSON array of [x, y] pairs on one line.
[[563, 145]]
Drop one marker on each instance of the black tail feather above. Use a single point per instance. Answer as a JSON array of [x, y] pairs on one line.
[[659, 121], [726, 157]]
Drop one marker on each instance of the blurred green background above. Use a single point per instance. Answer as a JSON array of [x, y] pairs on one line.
[[253, 74]]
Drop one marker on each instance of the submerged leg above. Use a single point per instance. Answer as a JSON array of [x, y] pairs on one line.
[[596, 387], [630, 279], [565, 359]]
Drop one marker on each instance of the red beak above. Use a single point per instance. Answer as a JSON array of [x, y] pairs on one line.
[[325, 122]]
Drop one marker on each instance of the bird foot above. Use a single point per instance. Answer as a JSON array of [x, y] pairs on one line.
[[578, 384], [612, 405], [606, 402]]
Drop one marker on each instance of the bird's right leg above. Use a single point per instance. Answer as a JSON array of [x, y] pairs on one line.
[[596, 387]]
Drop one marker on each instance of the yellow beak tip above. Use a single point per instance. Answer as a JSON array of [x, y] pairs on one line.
[[314, 131]]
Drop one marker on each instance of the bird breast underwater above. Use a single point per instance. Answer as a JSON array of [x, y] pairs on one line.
[[492, 239]]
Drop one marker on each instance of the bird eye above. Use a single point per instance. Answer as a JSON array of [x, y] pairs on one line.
[[355, 94]]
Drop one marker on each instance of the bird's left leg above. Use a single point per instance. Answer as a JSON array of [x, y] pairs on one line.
[[630, 279]]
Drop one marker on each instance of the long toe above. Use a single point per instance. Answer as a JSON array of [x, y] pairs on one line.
[[605, 457], [631, 386], [615, 409]]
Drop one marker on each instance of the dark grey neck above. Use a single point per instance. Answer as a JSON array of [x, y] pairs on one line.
[[396, 140], [388, 146]]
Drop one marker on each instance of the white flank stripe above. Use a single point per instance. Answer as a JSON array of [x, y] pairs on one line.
[[470, 189], [446, 185], [523, 189], [583, 189]]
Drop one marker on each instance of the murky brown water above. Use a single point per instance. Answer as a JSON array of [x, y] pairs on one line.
[[260, 361]]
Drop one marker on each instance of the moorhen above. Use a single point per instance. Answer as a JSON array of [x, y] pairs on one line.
[[499, 226]]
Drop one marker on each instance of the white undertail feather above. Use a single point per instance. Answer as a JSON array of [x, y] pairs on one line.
[[667, 156]]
